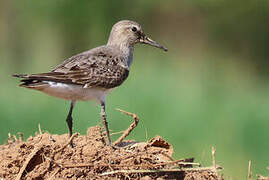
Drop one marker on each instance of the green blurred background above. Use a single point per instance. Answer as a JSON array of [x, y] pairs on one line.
[[210, 89]]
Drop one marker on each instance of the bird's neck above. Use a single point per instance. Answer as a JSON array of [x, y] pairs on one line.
[[129, 54], [126, 51]]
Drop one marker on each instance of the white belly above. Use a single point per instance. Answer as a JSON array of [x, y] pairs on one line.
[[74, 92]]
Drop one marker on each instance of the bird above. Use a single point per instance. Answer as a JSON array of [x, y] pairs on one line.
[[92, 74]]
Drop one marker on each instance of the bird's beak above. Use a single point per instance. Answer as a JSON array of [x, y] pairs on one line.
[[146, 40]]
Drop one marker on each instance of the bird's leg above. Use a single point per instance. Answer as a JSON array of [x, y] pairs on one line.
[[103, 117], [69, 120]]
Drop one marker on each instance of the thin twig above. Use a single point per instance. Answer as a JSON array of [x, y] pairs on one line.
[[146, 134], [215, 166], [249, 171], [123, 165], [118, 165], [39, 128], [178, 162], [67, 143], [213, 150], [76, 165], [99, 165], [159, 170], [131, 127], [31, 155], [115, 133]]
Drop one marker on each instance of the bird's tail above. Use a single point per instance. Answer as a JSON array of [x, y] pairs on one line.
[[20, 75], [29, 82]]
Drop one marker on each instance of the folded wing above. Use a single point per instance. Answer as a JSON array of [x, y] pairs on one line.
[[88, 70]]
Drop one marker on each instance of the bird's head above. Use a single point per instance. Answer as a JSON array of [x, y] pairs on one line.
[[128, 33]]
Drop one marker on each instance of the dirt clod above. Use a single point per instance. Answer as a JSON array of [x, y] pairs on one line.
[[45, 156]]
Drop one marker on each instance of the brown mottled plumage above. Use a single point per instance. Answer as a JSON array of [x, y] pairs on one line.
[[92, 74], [86, 69]]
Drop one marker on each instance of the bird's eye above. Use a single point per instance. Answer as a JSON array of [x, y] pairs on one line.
[[134, 29]]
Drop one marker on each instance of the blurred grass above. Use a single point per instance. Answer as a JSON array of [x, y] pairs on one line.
[[210, 89]]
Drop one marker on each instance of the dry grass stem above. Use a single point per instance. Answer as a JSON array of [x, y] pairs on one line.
[[115, 133], [39, 129], [33, 153], [178, 162], [131, 127], [213, 150], [249, 171], [159, 170]]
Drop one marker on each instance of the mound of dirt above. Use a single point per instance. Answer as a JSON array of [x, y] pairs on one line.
[[47, 156]]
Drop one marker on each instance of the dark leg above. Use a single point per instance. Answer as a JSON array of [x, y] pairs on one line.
[[69, 120], [103, 117]]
